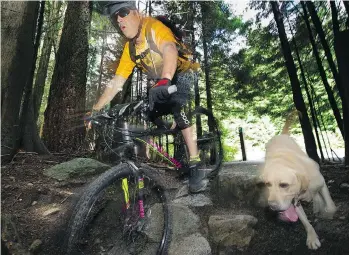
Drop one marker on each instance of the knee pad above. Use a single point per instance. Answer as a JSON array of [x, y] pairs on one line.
[[181, 120]]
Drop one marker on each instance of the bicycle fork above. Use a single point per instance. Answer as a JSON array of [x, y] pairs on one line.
[[140, 195]]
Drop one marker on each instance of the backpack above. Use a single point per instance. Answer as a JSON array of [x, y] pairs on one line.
[[184, 52]]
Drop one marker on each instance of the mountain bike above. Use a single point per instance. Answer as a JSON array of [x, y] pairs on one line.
[[128, 205]]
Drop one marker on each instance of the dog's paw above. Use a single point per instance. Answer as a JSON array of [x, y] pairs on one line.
[[313, 241]]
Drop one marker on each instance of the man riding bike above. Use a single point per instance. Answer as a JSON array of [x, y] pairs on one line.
[[163, 65]]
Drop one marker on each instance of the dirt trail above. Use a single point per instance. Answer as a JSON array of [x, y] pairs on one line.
[[33, 207]]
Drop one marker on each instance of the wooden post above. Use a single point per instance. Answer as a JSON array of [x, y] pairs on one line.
[[242, 142]]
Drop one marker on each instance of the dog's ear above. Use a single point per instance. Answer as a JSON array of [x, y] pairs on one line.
[[260, 181], [304, 182]]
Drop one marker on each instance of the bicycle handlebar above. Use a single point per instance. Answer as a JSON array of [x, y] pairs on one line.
[[106, 114]]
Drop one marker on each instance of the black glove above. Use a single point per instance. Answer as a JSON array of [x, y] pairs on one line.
[[159, 93]]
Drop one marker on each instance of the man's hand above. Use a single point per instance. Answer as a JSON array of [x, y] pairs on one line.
[[162, 82], [159, 92], [87, 119]]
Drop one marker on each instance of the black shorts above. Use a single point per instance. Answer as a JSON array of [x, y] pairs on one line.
[[172, 107]]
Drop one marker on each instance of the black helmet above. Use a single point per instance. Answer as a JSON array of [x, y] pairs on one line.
[[114, 6]]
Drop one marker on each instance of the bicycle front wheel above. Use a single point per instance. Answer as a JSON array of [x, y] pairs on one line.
[[108, 218]]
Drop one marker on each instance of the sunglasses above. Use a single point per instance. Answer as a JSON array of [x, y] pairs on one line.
[[123, 12]]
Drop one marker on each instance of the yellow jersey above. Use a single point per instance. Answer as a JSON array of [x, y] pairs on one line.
[[151, 61]]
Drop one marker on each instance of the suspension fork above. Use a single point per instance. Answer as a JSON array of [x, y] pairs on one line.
[[140, 185]]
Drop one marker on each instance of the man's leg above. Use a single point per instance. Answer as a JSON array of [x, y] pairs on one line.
[[192, 146], [197, 181]]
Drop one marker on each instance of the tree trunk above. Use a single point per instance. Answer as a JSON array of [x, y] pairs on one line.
[[311, 104], [196, 84], [342, 52], [49, 40], [30, 139], [309, 139], [321, 33], [334, 18], [99, 92], [68, 88], [346, 6], [206, 64], [323, 75], [17, 51]]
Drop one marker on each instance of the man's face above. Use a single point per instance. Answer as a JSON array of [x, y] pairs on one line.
[[128, 21]]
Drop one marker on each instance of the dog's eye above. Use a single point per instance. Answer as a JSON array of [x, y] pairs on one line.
[[284, 185]]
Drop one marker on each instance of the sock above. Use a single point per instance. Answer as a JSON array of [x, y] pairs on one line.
[[194, 159]]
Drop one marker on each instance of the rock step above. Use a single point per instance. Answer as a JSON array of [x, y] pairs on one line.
[[237, 181]]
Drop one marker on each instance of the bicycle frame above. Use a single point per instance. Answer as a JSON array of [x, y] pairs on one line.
[[129, 136]]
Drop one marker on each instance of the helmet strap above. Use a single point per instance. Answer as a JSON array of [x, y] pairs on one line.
[[133, 40]]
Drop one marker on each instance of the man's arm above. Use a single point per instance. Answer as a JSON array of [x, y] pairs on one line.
[[170, 57], [112, 88]]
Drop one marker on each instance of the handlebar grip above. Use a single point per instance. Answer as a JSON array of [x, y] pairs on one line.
[[172, 89]]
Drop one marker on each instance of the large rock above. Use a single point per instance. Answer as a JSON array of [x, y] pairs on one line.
[[195, 200], [184, 222], [238, 181], [231, 230], [194, 244], [76, 167]]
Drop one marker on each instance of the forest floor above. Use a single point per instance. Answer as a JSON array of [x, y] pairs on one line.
[[33, 208]]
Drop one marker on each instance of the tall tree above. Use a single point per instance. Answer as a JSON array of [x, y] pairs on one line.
[[341, 39], [321, 33], [48, 43], [322, 72], [341, 47], [204, 19], [192, 9], [346, 5], [306, 87], [29, 137], [18, 27], [296, 89], [68, 87]]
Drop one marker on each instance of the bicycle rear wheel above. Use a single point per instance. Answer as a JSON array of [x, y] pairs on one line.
[[207, 135], [102, 224]]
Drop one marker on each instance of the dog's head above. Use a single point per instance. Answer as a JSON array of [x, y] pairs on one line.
[[283, 184]]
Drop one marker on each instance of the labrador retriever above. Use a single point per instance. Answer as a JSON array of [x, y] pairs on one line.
[[290, 176]]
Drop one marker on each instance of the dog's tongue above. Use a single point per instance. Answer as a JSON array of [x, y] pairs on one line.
[[289, 215]]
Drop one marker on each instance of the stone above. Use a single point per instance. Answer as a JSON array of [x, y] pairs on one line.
[[184, 222], [183, 191], [232, 230], [35, 246], [194, 244], [196, 200], [51, 211], [76, 168], [344, 186], [238, 181]]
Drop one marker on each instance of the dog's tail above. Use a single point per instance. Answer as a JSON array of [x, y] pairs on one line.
[[291, 118]]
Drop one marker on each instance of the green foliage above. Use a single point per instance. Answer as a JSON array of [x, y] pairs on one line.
[[250, 85]]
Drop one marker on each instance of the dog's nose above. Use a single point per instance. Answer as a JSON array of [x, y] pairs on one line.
[[273, 205]]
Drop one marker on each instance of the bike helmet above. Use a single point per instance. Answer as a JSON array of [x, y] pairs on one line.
[[112, 7]]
